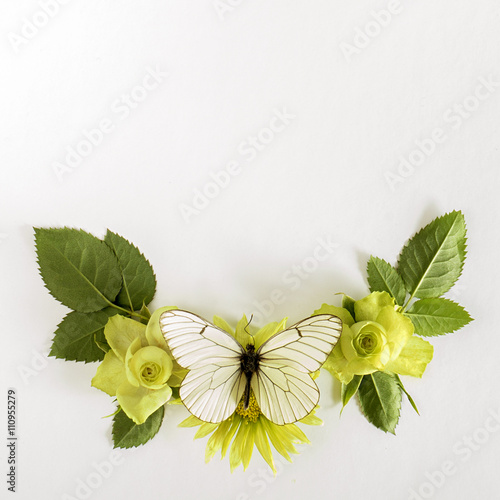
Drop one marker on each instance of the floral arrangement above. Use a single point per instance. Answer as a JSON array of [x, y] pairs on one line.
[[108, 284]]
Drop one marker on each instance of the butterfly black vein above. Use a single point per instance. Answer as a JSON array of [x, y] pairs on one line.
[[222, 371]]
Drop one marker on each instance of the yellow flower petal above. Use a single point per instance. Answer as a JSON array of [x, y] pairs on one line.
[[178, 374], [134, 346], [139, 403], [369, 307], [222, 323], [241, 333], [341, 312], [149, 366], [414, 358], [120, 332], [191, 421], [338, 366], [155, 337], [236, 452], [110, 374], [205, 430], [361, 366], [275, 437], [311, 419], [235, 422], [153, 332], [399, 329], [217, 439], [297, 436], [248, 445], [262, 443], [268, 331]]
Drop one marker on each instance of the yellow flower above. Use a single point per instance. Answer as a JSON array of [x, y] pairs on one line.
[[247, 429], [137, 369], [379, 338]]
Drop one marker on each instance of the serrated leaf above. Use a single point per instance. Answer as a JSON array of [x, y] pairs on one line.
[[79, 336], [348, 303], [410, 399], [439, 316], [139, 282], [380, 397], [127, 434], [433, 259], [78, 269], [382, 277], [350, 389]]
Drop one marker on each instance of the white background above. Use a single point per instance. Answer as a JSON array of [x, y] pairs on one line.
[[325, 175]]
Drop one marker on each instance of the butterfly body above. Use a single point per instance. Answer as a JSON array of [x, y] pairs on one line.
[[249, 366], [222, 372]]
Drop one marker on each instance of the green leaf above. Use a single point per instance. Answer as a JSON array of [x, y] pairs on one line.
[[80, 336], [348, 303], [382, 277], [139, 282], [410, 399], [433, 259], [127, 434], [380, 397], [440, 316], [350, 389], [78, 269]]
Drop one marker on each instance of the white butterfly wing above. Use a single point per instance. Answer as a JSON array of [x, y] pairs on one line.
[[215, 383], [283, 386]]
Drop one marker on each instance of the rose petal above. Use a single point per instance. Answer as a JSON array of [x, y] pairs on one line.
[[342, 313], [398, 327], [110, 374], [337, 365], [413, 359], [346, 343], [369, 307], [135, 346], [362, 366], [120, 332], [139, 403], [149, 355], [153, 332]]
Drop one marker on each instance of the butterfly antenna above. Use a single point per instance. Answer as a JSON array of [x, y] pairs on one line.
[[247, 325]]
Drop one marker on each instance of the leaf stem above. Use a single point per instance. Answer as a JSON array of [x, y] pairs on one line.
[[408, 301], [129, 312]]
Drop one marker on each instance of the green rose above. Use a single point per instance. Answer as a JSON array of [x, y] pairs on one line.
[[137, 369], [380, 338]]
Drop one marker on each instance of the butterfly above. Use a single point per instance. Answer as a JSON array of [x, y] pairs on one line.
[[222, 371]]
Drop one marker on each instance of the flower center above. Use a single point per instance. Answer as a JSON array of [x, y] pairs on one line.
[[150, 372], [253, 412], [367, 343]]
